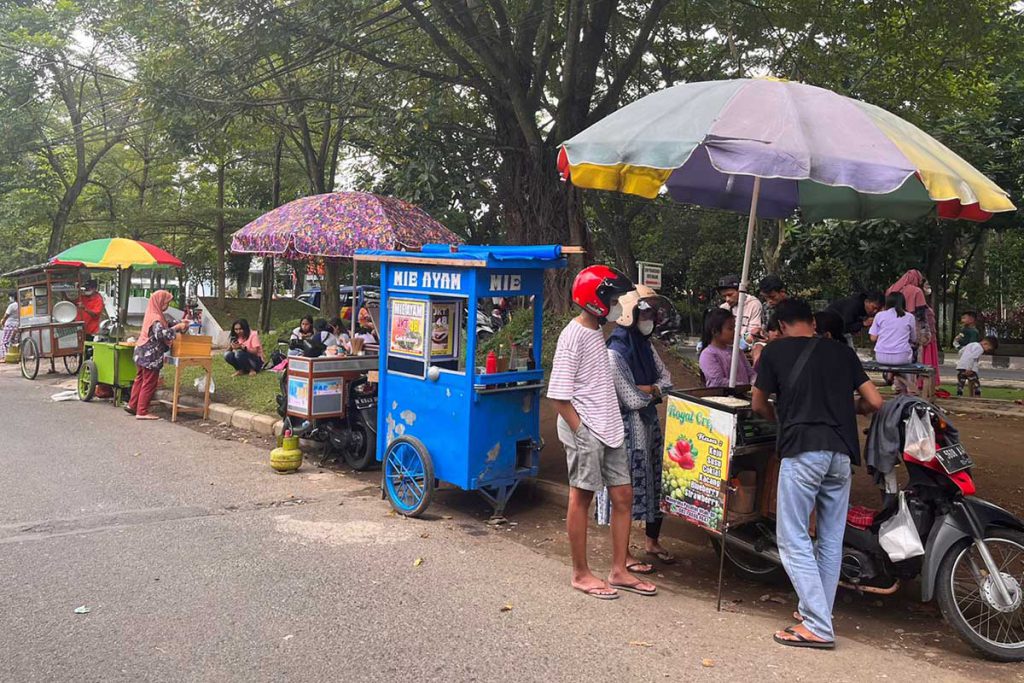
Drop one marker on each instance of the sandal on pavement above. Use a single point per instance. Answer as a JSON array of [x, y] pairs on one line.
[[665, 556], [594, 592], [649, 570], [147, 417], [800, 640], [634, 588]]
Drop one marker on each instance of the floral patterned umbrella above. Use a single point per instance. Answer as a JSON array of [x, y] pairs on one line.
[[334, 225]]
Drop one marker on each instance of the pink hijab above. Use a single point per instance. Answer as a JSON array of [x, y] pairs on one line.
[[158, 303], [910, 287]]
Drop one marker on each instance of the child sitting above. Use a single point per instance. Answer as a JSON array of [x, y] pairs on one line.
[[894, 332], [969, 364], [969, 334]]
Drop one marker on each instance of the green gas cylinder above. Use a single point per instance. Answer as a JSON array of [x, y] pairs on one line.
[[286, 457], [13, 354]]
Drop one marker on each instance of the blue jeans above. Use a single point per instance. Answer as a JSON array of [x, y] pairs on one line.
[[243, 361], [816, 480]]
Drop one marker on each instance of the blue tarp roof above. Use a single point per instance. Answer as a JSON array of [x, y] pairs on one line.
[[541, 255]]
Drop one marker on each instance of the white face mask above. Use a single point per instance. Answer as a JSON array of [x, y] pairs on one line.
[[615, 312], [646, 327]]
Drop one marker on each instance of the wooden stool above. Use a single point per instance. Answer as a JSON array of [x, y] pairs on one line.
[[206, 363]]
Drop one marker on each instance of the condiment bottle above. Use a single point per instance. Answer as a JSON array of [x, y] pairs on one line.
[[491, 365]]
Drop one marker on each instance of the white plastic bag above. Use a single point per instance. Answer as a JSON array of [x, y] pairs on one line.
[[919, 437], [200, 384], [898, 534]]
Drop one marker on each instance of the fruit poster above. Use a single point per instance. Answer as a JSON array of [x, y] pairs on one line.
[[408, 321], [695, 462]]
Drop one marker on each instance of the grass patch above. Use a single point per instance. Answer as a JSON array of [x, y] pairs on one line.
[[1003, 393], [282, 311], [520, 330], [257, 394]]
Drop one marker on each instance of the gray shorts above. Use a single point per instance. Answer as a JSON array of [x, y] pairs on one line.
[[591, 463]]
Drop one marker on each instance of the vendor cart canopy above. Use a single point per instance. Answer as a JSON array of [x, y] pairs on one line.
[[42, 268], [541, 256], [827, 155]]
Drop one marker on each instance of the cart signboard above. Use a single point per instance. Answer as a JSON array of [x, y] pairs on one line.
[[445, 329], [695, 463], [407, 323]]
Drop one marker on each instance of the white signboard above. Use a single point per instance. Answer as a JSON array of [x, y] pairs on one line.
[[650, 274]]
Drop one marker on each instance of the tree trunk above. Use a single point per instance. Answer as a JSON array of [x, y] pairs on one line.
[[538, 209], [220, 238], [60, 218], [330, 289], [267, 286]]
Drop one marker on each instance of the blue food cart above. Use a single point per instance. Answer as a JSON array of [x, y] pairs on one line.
[[447, 411]]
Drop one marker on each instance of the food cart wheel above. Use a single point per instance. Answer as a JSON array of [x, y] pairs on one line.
[[408, 476], [73, 363], [29, 358], [750, 566], [87, 381]]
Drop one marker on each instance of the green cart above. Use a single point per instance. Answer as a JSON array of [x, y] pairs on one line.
[[110, 365]]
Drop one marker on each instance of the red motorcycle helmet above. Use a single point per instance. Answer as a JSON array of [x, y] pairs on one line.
[[595, 286]]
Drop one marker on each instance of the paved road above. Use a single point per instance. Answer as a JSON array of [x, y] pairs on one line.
[[200, 564]]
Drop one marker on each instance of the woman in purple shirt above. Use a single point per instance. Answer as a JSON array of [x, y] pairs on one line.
[[894, 332], [715, 359]]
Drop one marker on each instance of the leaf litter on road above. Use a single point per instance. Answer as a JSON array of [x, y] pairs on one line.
[[640, 643], [507, 607], [417, 562]]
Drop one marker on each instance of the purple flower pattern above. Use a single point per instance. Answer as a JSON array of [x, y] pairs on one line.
[[334, 225]]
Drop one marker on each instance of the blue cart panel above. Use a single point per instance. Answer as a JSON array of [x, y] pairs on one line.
[[480, 431]]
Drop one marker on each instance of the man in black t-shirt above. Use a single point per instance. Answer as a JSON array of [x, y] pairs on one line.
[[814, 383]]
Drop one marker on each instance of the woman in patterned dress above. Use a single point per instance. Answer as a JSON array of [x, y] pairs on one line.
[[640, 379]]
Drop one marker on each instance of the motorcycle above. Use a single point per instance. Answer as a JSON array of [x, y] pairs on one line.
[[353, 437], [973, 560]]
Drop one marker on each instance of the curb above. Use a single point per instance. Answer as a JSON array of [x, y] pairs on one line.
[[245, 420]]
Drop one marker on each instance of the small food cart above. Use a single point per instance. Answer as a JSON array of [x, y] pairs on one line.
[[719, 470], [441, 416], [48, 307]]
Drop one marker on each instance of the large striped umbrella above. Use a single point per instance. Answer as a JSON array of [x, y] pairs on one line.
[[773, 148], [116, 252]]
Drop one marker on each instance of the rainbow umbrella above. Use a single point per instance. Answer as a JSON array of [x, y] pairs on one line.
[[116, 252], [774, 148]]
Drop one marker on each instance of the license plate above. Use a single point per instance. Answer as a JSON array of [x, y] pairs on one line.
[[954, 458]]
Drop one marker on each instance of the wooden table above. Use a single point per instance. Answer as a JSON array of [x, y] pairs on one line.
[[204, 362]]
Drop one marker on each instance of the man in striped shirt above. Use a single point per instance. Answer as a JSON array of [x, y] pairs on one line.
[[591, 430]]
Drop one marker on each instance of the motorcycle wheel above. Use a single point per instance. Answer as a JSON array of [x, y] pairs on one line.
[[365, 456], [751, 567], [970, 602]]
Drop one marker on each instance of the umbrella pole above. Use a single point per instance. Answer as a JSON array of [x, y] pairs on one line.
[[355, 299], [744, 284]]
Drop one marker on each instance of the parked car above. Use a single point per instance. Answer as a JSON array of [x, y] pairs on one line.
[[365, 293]]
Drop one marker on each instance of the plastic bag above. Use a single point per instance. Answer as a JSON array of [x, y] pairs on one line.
[[919, 437], [898, 535], [200, 384]]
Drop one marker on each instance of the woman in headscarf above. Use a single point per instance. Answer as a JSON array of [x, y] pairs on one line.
[[9, 324], [915, 290], [153, 342], [640, 379]]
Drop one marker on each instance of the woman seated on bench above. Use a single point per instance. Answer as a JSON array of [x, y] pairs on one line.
[[894, 332]]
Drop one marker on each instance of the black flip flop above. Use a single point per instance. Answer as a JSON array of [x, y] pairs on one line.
[[632, 588], [803, 641], [665, 556], [629, 568]]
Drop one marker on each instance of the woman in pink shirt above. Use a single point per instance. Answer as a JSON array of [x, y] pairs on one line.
[[245, 353]]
